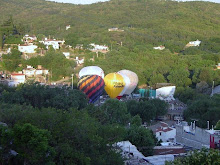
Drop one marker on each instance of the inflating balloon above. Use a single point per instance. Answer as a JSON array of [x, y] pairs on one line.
[[133, 80], [127, 84], [92, 86], [91, 70], [114, 84]]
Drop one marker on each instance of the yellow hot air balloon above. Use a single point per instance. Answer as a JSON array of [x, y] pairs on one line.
[[114, 84]]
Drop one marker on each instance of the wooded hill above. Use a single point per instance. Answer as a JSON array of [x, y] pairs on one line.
[[146, 23]]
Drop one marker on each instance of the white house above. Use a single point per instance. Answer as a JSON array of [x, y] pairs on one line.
[[195, 43], [29, 39], [29, 71], [52, 42], [96, 48], [67, 54], [79, 61], [115, 29], [40, 71], [159, 47], [27, 48], [68, 27], [165, 133], [16, 78]]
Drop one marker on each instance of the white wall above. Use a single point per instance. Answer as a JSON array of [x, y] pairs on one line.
[[27, 48]]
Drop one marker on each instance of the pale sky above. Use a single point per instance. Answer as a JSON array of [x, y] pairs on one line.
[[94, 1], [79, 1]]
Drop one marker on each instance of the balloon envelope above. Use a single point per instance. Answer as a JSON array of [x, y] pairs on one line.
[[114, 84], [92, 86], [133, 80], [127, 84], [91, 70]]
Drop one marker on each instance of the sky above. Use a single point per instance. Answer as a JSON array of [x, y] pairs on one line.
[[79, 1], [94, 1]]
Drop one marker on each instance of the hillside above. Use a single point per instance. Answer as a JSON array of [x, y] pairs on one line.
[[146, 23], [152, 21]]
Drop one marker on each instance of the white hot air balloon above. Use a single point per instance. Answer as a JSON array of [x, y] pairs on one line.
[[127, 84], [133, 80], [91, 70]]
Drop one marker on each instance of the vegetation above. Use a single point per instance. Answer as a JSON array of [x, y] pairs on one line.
[[141, 22], [67, 129], [199, 157], [203, 109]]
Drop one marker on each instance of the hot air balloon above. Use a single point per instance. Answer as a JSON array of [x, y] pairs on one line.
[[92, 86], [133, 80], [127, 84], [91, 70], [114, 84]]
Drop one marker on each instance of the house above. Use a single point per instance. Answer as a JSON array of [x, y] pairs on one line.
[[99, 48], [79, 46], [67, 54], [79, 61], [218, 66], [114, 29], [27, 48], [29, 39], [16, 78], [193, 43], [29, 71], [195, 137], [165, 133], [52, 42], [68, 27], [130, 153], [159, 47], [41, 71]]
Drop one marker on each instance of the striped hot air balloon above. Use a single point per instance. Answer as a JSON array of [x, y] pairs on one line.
[[92, 86]]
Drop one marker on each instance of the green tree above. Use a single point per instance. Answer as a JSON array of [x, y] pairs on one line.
[[116, 111], [32, 144], [11, 60], [217, 127], [180, 77], [142, 138], [204, 156], [6, 144]]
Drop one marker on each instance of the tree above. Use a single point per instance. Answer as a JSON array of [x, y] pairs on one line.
[[136, 121], [217, 127], [116, 111], [203, 109], [142, 138], [11, 60], [32, 144], [41, 96], [160, 105], [179, 77], [204, 156], [146, 110], [6, 144], [159, 78]]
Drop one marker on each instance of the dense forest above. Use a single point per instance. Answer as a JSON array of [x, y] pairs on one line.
[[43, 125]]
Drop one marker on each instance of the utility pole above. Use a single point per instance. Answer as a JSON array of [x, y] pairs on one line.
[[213, 83], [72, 81]]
